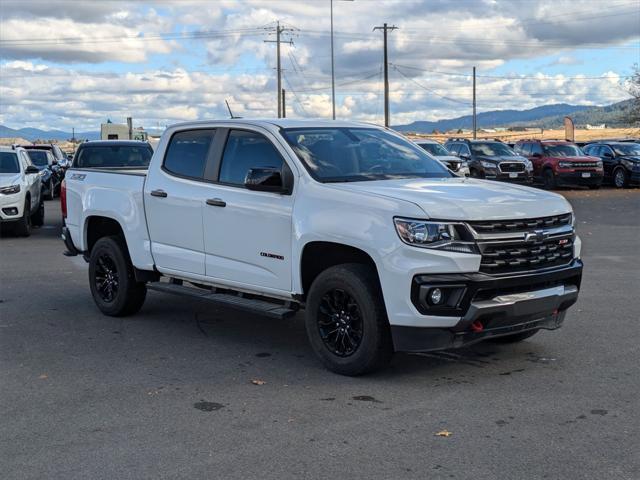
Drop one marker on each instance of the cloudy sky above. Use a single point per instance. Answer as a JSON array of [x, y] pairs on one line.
[[67, 63]]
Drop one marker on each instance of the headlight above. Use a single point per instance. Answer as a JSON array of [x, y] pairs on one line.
[[453, 237], [488, 165], [528, 165], [10, 190], [565, 164], [599, 164]]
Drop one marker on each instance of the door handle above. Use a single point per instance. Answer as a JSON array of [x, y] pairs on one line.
[[158, 193], [216, 202]]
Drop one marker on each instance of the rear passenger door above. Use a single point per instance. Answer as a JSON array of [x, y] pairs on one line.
[[247, 234], [174, 196]]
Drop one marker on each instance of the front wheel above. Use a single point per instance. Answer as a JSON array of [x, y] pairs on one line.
[[37, 219], [23, 226], [111, 278], [549, 179], [620, 177], [346, 320]]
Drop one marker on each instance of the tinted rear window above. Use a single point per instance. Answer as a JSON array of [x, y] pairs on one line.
[[38, 157], [187, 153], [113, 156], [9, 163]]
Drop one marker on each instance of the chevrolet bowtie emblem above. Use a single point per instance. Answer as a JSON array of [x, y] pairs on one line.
[[535, 236]]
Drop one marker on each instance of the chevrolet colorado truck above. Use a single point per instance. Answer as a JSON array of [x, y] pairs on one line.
[[384, 248]]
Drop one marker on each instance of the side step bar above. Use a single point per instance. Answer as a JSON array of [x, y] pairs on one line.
[[260, 307]]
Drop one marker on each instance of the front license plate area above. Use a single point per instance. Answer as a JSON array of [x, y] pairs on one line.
[[513, 175], [586, 175]]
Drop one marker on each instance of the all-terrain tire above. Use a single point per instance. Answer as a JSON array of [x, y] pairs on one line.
[[348, 297], [37, 219], [111, 278], [23, 226]]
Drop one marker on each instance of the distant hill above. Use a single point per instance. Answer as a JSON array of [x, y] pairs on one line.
[[547, 116], [32, 134]]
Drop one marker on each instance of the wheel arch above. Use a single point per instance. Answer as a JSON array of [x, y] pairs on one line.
[[97, 227], [317, 256]]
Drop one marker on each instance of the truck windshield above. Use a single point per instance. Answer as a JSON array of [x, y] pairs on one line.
[[348, 154], [38, 158], [435, 149], [562, 151], [492, 149], [9, 163], [113, 156]]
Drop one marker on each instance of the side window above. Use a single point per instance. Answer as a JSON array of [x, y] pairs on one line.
[[605, 149], [187, 153], [525, 149], [464, 150], [246, 150], [454, 148], [536, 148]]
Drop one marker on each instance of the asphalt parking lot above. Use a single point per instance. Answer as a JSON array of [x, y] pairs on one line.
[[168, 393]]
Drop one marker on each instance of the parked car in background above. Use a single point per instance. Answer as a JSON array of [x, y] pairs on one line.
[[491, 159], [118, 154], [21, 204], [621, 161], [559, 163], [52, 174], [453, 163], [384, 248], [60, 157]]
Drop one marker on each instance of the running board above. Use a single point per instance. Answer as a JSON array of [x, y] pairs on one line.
[[260, 307]]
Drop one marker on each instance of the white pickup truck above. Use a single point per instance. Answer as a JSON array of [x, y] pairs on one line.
[[383, 247]]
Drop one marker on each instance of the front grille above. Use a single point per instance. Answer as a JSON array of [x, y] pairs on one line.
[[509, 167], [517, 256], [525, 225], [583, 165]]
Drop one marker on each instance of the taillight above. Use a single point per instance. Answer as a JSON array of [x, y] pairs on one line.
[[63, 198]]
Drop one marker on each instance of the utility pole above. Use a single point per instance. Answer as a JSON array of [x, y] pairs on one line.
[[384, 29], [279, 30], [475, 125], [284, 103]]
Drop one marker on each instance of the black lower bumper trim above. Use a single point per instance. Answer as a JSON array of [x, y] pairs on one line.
[[418, 339]]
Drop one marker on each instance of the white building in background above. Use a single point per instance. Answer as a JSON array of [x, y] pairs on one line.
[[602, 126], [120, 131]]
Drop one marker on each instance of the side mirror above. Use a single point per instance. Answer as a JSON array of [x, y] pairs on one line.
[[265, 180], [536, 155], [31, 170]]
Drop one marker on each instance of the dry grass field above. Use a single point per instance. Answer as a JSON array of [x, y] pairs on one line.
[[581, 135]]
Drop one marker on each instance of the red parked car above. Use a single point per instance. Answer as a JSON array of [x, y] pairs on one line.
[[561, 163]]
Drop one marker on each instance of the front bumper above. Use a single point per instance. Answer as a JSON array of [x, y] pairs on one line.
[[11, 207], [576, 178], [520, 177], [490, 306]]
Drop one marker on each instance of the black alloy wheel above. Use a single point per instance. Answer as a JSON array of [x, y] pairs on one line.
[[620, 177], [107, 278], [340, 322]]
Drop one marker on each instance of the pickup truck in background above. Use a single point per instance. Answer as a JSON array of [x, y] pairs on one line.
[[382, 246]]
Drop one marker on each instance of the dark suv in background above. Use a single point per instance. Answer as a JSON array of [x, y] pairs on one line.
[[558, 162], [491, 159], [621, 161]]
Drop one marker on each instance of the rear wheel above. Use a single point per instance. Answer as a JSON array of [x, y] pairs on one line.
[[516, 337], [549, 179], [346, 320], [23, 226], [37, 219], [111, 278], [620, 179], [51, 193]]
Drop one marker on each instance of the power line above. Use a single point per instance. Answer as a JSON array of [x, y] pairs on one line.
[[395, 67]]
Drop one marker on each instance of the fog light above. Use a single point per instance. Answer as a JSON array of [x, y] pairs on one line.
[[435, 296], [10, 211]]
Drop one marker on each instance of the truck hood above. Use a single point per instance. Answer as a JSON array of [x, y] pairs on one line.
[[466, 198], [8, 179]]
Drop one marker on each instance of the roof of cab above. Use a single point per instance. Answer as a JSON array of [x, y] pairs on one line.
[[111, 143], [283, 123]]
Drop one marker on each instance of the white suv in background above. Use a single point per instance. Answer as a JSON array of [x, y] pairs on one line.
[[453, 163], [20, 202]]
